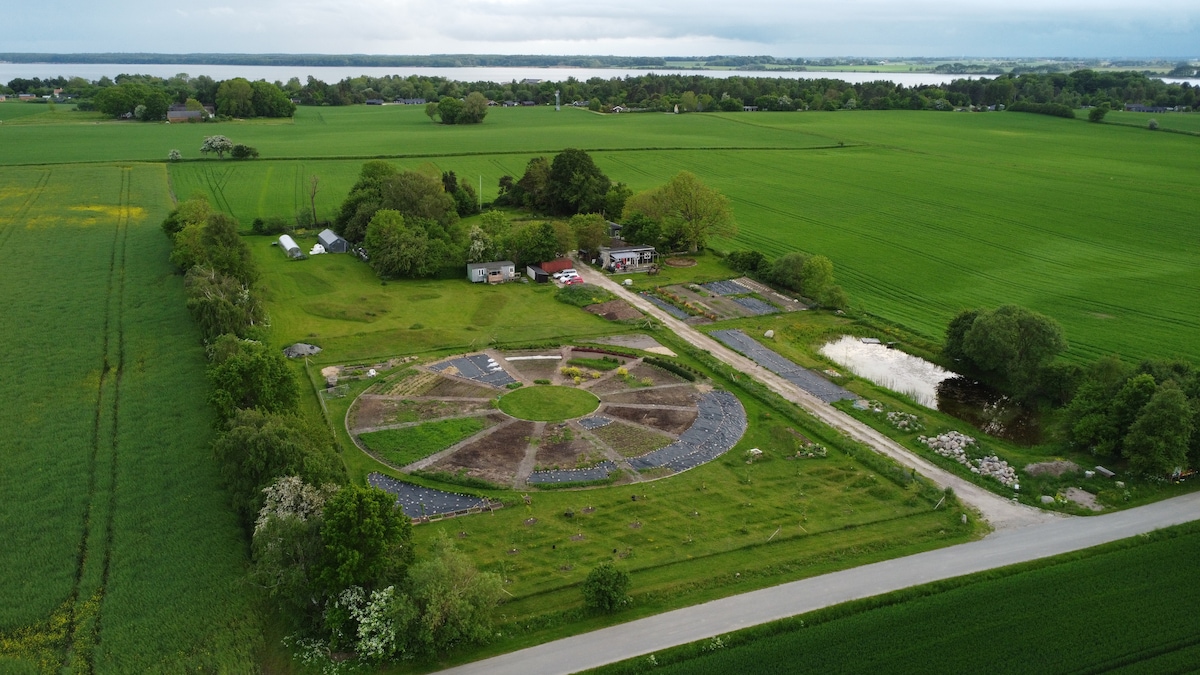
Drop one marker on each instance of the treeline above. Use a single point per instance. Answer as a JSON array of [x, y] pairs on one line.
[[700, 93], [1147, 415], [808, 275], [146, 97], [337, 559]]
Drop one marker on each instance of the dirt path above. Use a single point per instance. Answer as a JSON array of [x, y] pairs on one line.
[[1000, 513]]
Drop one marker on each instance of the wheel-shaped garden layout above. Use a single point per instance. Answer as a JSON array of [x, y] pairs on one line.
[[523, 419]]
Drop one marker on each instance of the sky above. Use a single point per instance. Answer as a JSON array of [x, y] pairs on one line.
[[795, 28]]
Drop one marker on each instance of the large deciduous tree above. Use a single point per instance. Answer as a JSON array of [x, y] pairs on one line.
[[218, 144], [235, 98], [576, 184], [1009, 345], [688, 211], [1157, 442], [248, 374], [367, 540]]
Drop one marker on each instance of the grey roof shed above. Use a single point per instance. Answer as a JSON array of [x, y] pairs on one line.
[[331, 241]]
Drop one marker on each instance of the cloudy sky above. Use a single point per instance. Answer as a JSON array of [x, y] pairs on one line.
[[1080, 28]]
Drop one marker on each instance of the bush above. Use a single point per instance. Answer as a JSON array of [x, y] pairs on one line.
[[243, 152], [1152, 125], [1097, 114], [605, 589], [269, 225], [582, 295], [745, 261], [175, 156], [670, 366], [1053, 109]]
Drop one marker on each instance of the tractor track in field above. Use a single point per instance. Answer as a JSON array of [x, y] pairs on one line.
[[38, 188], [86, 598]]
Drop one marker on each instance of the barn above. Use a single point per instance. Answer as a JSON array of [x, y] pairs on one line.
[[492, 272], [332, 242], [289, 246]]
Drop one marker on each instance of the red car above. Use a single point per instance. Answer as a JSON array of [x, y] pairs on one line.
[[572, 281]]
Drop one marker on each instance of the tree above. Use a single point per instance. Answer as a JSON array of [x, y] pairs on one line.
[[576, 184], [788, 271], [1157, 442], [268, 100], [240, 151], [221, 304], [606, 588], [474, 109], [174, 156], [431, 109], [258, 447], [248, 374], [367, 540], [217, 144], [614, 201], [314, 185], [416, 195], [235, 98], [399, 248], [454, 600], [533, 244], [640, 230], [449, 109], [746, 262], [688, 211], [533, 189], [591, 231], [816, 276], [956, 332], [1097, 114], [1011, 344], [364, 199]]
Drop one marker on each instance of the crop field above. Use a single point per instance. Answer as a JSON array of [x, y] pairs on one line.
[[1125, 610], [923, 214], [121, 553]]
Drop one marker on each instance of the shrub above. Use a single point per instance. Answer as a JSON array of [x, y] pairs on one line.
[[605, 589], [670, 366], [1152, 125], [241, 151], [175, 156], [269, 225], [582, 295]]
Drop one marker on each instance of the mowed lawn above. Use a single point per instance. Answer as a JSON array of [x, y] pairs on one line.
[[120, 553]]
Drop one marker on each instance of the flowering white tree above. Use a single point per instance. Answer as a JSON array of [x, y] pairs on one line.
[[217, 144]]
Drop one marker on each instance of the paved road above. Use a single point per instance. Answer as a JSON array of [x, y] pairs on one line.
[[1006, 547], [999, 512]]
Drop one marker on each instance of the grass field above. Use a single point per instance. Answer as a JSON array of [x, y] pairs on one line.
[[406, 445], [548, 404], [923, 214], [1125, 608], [121, 553]]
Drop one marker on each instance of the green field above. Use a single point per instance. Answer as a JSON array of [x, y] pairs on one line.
[[408, 444], [121, 553], [1128, 608], [922, 213], [548, 404]]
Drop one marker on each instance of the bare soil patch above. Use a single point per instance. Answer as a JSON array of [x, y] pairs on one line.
[[614, 310], [1056, 468], [374, 412], [454, 388], [561, 447], [541, 369], [680, 262], [681, 396], [656, 375], [611, 385], [1083, 498], [631, 441], [493, 458], [636, 341], [407, 383], [671, 421]]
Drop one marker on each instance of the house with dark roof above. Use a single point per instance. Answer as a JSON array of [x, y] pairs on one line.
[[494, 272]]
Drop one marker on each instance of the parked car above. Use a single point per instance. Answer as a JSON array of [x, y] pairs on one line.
[[561, 275], [573, 280]]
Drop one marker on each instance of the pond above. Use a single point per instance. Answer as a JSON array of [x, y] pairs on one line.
[[937, 388]]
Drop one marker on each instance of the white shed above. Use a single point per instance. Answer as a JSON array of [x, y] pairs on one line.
[[289, 246]]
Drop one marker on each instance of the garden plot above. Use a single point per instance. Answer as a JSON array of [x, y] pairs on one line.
[[722, 308], [674, 421], [755, 306], [719, 426], [629, 440], [676, 395], [772, 361], [478, 367], [562, 447], [728, 287], [665, 306], [377, 411], [535, 366], [588, 475], [417, 501], [614, 310], [643, 371], [448, 388], [495, 457]]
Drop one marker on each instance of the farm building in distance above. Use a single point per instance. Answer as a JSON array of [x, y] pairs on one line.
[[492, 272], [289, 246], [627, 258], [332, 242], [537, 274]]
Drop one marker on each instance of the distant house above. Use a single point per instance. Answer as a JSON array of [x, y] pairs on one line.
[[619, 109], [25, 97], [627, 258], [527, 103], [332, 242], [509, 104], [749, 108], [530, 81], [1133, 107], [179, 112], [492, 272], [374, 101], [289, 246], [410, 101]]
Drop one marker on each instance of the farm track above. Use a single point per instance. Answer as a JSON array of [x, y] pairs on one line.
[[95, 548], [23, 210]]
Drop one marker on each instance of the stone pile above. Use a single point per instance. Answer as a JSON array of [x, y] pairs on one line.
[[954, 445], [904, 421]]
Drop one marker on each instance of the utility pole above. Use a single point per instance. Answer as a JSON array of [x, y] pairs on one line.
[[557, 103]]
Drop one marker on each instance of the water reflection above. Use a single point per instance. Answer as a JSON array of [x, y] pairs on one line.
[[989, 411]]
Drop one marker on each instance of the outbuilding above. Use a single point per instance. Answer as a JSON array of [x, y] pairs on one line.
[[289, 246], [537, 274], [552, 266], [332, 242], [492, 272]]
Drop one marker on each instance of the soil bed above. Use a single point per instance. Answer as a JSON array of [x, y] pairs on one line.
[[671, 421], [494, 458], [682, 396], [614, 310], [631, 441]]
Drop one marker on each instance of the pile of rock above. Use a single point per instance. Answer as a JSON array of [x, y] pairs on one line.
[[905, 421], [954, 445]]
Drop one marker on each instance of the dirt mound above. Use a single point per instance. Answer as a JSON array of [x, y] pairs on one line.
[[1055, 468], [614, 310]]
